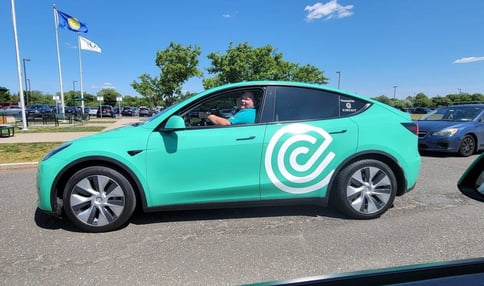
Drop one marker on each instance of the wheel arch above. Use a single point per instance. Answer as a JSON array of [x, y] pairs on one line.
[[386, 158], [61, 179]]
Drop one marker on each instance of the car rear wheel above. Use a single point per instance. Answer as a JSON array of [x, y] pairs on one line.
[[98, 199], [467, 146], [365, 189]]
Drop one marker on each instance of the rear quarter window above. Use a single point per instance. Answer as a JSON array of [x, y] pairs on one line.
[[293, 103]]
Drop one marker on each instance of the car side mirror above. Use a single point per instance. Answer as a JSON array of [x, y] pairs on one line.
[[174, 123], [471, 182]]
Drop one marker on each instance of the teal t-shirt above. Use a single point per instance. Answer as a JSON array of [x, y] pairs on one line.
[[244, 116]]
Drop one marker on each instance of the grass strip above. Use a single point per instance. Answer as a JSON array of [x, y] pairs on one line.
[[64, 129], [25, 152]]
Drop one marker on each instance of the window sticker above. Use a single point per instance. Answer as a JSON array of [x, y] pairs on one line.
[[347, 105]]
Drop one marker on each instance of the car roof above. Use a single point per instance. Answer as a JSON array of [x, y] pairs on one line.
[[255, 84], [466, 105]]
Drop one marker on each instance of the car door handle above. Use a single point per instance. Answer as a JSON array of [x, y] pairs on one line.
[[246, 138], [338, 132]]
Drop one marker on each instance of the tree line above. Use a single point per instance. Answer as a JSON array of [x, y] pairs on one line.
[[422, 100], [178, 63]]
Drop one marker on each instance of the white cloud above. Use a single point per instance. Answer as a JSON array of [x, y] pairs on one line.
[[468, 60], [108, 85], [227, 16], [327, 11]]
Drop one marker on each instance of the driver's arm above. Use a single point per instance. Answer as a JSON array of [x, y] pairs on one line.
[[217, 120]]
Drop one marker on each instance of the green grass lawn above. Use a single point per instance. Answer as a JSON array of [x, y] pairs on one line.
[[33, 152], [25, 152], [65, 129]]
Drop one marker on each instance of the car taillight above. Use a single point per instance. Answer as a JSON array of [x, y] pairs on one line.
[[412, 127]]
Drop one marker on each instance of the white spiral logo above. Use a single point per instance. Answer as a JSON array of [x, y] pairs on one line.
[[299, 178]]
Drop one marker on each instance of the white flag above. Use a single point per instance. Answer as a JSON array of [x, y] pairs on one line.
[[88, 45]]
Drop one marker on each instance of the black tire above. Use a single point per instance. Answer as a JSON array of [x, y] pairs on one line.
[[467, 146], [365, 189], [98, 199]]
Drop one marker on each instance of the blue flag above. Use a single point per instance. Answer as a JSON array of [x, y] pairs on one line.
[[71, 23]]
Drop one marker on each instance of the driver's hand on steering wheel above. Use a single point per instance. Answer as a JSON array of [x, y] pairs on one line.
[[203, 115]]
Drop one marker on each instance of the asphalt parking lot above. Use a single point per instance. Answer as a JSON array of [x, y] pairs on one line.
[[434, 222]]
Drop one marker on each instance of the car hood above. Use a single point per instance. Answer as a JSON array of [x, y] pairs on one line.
[[439, 125], [118, 136]]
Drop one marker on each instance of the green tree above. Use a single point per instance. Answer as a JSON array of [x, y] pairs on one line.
[[109, 96], [37, 96], [177, 64], [5, 95], [459, 97], [477, 97], [244, 63], [90, 99], [422, 100], [131, 101], [440, 101], [384, 99]]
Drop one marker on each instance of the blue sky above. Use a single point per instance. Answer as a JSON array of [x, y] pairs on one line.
[[430, 46]]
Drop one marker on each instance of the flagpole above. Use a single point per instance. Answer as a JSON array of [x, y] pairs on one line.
[[19, 74], [56, 23], [80, 71]]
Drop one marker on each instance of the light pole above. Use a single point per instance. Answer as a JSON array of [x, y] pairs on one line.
[[74, 86], [394, 91], [26, 87], [339, 77]]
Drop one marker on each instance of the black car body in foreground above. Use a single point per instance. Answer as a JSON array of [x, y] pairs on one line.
[[460, 272]]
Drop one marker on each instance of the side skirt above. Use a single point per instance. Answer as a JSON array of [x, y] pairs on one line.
[[221, 205]]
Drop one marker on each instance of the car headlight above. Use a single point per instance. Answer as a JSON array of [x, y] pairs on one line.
[[446, 132], [56, 150]]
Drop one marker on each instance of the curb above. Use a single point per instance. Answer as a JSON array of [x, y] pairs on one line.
[[16, 166]]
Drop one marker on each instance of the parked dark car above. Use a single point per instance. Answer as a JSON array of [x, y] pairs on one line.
[[422, 110], [129, 111], [71, 110], [144, 111], [105, 111], [453, 129], [39, 110]]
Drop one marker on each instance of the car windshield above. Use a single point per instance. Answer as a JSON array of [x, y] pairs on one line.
[[453, 113]]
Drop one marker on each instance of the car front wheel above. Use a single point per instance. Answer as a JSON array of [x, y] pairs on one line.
[[365, 189], [467, 146], [98, 199]]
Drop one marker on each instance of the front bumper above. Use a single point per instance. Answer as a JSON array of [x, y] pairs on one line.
[[439, 144], [47, 172]]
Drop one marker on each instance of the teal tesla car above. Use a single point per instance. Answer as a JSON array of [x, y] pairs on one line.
[[302, 143]]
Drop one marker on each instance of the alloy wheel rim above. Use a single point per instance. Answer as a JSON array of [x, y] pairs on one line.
[[467, 145], [97, 200], [369, 190]]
